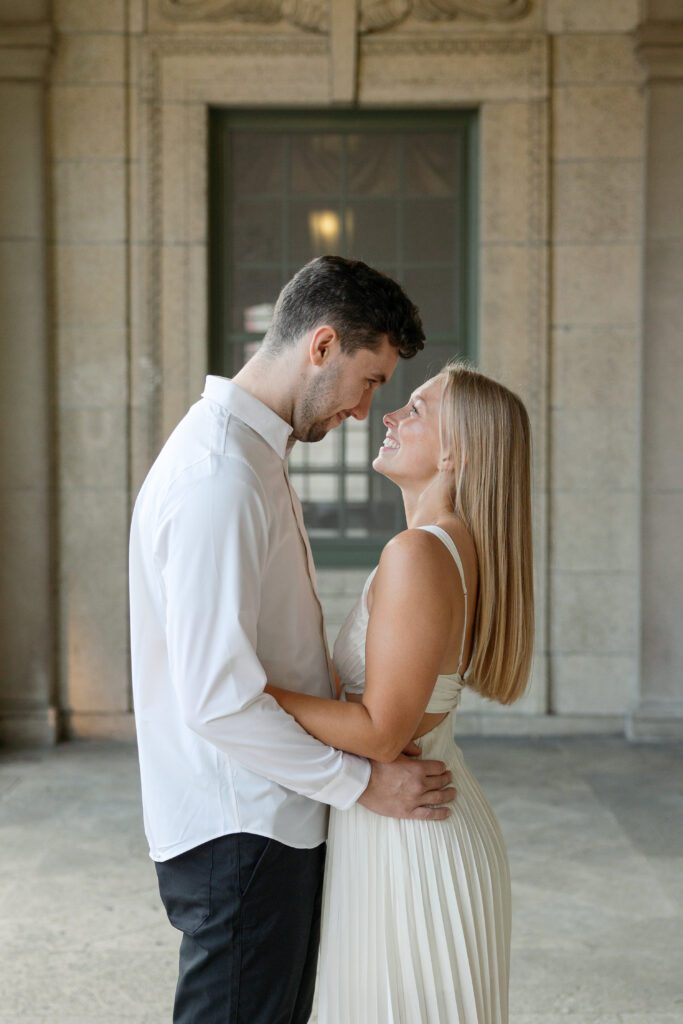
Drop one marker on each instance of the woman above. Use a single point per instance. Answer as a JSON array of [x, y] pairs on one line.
[[416, 914]]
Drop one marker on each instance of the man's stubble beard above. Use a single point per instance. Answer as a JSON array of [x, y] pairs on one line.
[[315, 406]]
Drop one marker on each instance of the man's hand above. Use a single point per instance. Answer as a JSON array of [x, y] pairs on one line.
[[408, 788]]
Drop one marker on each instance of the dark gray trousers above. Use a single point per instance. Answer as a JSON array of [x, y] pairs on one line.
[[249, 911]]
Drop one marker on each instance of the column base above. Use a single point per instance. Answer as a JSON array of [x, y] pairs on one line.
[[20, 729], [98, 725], [656, 721]]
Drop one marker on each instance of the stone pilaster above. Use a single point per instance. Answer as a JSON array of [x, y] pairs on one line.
[[27, 663], [660, 710]]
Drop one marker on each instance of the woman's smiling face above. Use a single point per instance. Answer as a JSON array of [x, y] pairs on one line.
[[411, 452]]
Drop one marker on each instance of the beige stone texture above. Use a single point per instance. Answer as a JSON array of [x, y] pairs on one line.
[[509, 185], [592, 15], [471, 69], [21, 161], [182, 329], [92, 367], [596, 367], [247, 75], [92, 447], [184, 140], [88, 121], [505, 284], [594, 531], [593, 684], [593, 449], [22, 323], [663, 10], [90, 201], [662, 635], [597, 201], [665, 166], [92, 59], [90, 15], [91, 287], [663, 369], [594, 612], [598, 122], [25, 588], [595, 58], [23, 11], [597, 285], [93, 599]]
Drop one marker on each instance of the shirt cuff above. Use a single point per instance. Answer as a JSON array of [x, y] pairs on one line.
[[348, 785]]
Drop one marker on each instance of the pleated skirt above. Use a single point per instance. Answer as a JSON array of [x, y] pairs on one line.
[[416, 916]]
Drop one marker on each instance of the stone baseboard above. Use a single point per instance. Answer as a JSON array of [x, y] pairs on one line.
[[102, 725], [656, 724], [28, 728], [474, 723], [39, 728]]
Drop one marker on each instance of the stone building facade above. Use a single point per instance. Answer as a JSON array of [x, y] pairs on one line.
[[103, 293]]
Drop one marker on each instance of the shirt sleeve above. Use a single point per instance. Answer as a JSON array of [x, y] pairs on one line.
[[211, 550]]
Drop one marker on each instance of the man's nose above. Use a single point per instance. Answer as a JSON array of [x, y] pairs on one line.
[[360, 412]]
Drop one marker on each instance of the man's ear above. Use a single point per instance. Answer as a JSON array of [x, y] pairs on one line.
[[323, 340]]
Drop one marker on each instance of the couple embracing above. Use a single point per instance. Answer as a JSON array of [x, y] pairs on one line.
[[254, 769]]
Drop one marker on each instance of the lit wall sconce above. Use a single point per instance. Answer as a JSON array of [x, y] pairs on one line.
[[325, 228]]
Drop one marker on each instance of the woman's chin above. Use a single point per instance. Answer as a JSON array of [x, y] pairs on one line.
[[379, 465]]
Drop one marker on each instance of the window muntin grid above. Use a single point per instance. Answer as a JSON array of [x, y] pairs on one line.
[[392, 189]]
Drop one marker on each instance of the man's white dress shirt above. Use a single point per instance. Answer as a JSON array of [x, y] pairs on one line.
[[223, 600]]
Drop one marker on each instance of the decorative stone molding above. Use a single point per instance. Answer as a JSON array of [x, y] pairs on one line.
[[659, 45], [314, 16]]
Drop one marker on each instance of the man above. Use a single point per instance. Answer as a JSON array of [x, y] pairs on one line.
[[223, 600]]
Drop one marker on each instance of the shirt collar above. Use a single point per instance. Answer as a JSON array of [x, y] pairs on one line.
[[267, 424]]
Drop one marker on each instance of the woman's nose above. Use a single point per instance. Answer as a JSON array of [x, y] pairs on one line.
[[389, 419]]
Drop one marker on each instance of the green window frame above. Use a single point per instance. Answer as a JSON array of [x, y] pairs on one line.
[[227, 338]]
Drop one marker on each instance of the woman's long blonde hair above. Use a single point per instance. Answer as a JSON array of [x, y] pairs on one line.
[[486, 431]]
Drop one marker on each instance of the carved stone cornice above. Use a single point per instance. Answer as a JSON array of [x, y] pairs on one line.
[[659, 45], [24, 51], [313, 15]]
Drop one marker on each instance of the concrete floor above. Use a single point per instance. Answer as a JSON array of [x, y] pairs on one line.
[[594, 830]]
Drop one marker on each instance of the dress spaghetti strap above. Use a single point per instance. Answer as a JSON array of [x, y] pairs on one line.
[[444, 536]]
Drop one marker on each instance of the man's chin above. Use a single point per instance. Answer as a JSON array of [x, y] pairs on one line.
[[315, 433]]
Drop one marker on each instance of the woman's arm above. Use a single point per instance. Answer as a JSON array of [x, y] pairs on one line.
[[408, 631]]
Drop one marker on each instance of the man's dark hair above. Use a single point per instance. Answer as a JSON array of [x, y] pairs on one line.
[[361, 304]]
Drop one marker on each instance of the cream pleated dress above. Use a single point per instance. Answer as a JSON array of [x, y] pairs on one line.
[[416, 916]]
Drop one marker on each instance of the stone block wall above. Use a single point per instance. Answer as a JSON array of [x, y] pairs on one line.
[[103, 280]]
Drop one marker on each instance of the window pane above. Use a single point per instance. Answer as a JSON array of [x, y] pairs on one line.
[[253, 295], [372, 230], [257, 231], [357, 437], [432, 164], [373, 165], [429, 230], [316, 167], [434, 292], [257, 163]]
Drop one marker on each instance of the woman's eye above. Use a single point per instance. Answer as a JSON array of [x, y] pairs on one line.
[[413, 409]]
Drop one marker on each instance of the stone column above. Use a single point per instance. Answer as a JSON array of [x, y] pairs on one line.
[[597, 186], [660, 711], [27, 678], [90, 128]]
